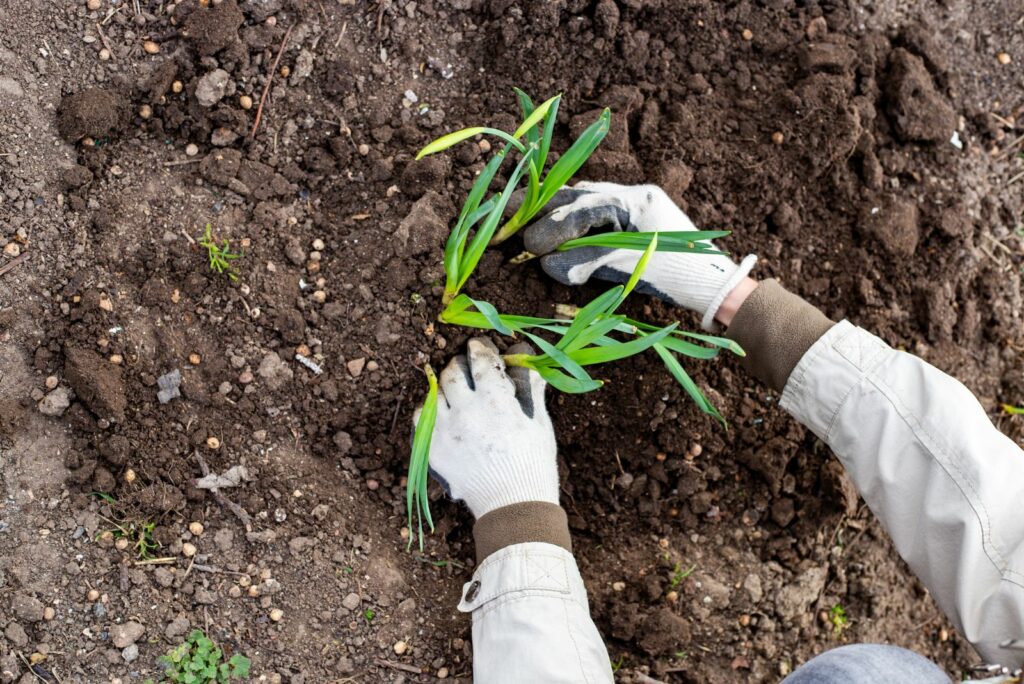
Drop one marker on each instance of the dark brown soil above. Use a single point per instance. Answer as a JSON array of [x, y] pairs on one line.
[[709, 555]]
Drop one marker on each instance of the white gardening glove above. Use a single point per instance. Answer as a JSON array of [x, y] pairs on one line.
[[698, 282], [493, 442]]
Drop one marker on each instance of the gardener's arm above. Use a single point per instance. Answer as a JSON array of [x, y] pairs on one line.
[[494, 448], [946, 484]]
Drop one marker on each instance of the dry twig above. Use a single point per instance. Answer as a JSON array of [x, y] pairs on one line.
[[270, 79], [14, 263]]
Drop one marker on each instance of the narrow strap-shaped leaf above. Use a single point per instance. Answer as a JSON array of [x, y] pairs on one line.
[[493, 317], [723, 342], [448, 140], [592, 355], [594, 331], [641, 266], [419, 461], [564, 383], [549, 132], [570, 162], [526, 105], [483, 234], [668, 241], [683, 378], [694, 351], [456, 243], [535, 117], [454, 138], [559, 357], [585, 316]]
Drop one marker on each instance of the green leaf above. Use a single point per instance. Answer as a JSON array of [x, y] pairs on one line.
[[594, 332], [239, 665], [558, 357], [491, 314], [564, 383], [526, 105], [694, 351], [592, 355], [483, 234], [604, 303], [1013, 410], [468, 217], [690, 241], [570, 162], [446, 141], [549, 132], [641, 266], [416, 488], [688, 384], [723, 342], [535, 117]]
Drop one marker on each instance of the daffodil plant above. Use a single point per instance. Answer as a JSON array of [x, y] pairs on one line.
[[594, 333]]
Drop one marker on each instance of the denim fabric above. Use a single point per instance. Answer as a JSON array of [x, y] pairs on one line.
[[868, 664]]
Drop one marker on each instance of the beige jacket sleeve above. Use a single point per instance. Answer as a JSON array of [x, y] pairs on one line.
[[945, 483]]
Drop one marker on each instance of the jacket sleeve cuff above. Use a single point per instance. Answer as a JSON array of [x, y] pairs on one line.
[[776, 328], [530, 521]]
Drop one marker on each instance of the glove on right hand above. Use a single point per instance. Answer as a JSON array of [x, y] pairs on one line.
[[699, 282]]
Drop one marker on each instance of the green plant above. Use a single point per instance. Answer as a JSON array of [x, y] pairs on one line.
[[593, 334], [369, 614], [837, 618], [220, 256], [1011, 410], [139, 533], [678, 575], [197, 660], [617, 664]]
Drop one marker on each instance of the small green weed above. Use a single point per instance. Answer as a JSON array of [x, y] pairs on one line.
[[220, 256], [678, 575], [837, 618], [369, 614], [198, 661], [617, 664], [138, 532], [1011, 410]]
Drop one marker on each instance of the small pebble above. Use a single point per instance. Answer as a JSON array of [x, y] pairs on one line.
[[1004, 58], [104, 54], [618, 586], [319, 296], [276, 614], [129, 475], [177, 87], [484, 145], [400, 647], [234, 591], [145, 111], [744, 620], [363, 149], [778, 138], [196, 528], [747, 34], [663, 543], [783, 668], [93, 595], [212, 443], [49, 613], [121, 544], [191, 149], [151, 47], [116, 359], [372, 366], [442, 673], [672, 596], [12, 249], [696, 450], [188, 549], [285, 71], [319, 245], [245, 102], [943, 634], [195, 359], [51, 382], [93, 5], [254, 591]]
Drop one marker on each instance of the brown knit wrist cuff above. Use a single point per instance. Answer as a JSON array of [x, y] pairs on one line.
[[531, 521], [776, 328]]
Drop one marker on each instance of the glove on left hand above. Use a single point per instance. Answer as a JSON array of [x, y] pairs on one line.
[[493, 442]]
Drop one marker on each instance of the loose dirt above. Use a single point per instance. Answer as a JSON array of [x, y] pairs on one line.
[[821, 134]]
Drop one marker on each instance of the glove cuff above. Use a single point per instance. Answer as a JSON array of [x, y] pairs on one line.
[[741, 272]]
